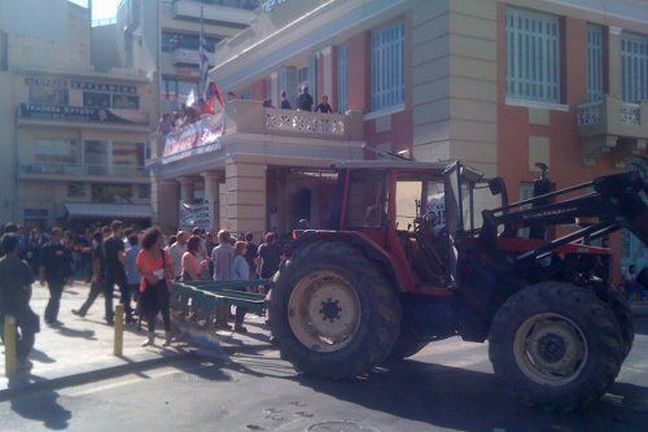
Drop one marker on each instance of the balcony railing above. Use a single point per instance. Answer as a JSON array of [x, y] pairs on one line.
[[190, 57], [241, 15], [81, 170], [612, 125], [612, 116], [251, 116]]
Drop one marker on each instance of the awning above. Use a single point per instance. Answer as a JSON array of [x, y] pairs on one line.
[[126, 211]]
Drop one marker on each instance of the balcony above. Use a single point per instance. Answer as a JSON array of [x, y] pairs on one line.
[[612, 125], [182, 56], [273, 134], [188, 9], [74, 171]]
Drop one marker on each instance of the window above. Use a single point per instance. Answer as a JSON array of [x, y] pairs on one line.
[[125, 102], [175, 90], [634, 58], [169, 41], [532, 56], [112, 193], [94, 99], [343, 79], [144, 191], [387, 50], [76, 190], [367, 203], [594, 63], [48, 95], [96, 157], [55, 151], [408, 199], [526, 192], [312, 78], [4, 51]]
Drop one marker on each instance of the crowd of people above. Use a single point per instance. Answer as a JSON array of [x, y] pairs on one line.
[[141, 263]]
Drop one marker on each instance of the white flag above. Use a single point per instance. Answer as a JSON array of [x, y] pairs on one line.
[[191, 98]]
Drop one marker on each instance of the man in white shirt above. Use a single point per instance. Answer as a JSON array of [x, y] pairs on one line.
[[176, 250], [222, 257]]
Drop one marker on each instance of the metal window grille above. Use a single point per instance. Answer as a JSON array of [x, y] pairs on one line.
[[634, 61], [594, 63], [387, 50], [343, 79], [532, 56]]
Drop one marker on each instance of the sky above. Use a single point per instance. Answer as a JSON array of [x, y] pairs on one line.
[[101, 9]]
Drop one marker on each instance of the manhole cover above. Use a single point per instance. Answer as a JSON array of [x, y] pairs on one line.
[[340, 426]]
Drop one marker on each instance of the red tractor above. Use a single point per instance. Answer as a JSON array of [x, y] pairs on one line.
[[409, 258]]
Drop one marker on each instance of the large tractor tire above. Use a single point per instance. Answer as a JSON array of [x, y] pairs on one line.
[[556, 346], [333, 312], [623, 315], [409, 342]]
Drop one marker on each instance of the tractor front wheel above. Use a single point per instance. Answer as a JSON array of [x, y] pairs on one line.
[[333, 312], [556, 346]]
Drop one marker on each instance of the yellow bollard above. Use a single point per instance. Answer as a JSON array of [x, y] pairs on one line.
[[11, 355], [119, 331]]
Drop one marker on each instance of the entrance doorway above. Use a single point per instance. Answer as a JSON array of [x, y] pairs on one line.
[[302, 205]]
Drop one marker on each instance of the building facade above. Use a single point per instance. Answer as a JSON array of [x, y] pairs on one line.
[[502, 85], [74, 140]]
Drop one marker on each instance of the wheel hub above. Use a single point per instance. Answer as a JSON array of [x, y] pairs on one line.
[[324, 311], [550, 349], [331, 310]]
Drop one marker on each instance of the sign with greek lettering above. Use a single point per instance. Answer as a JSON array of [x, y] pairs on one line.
[[193, 138]]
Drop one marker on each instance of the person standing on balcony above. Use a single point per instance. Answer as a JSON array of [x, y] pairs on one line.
[[324, 106], [305, 100], [284, 104]]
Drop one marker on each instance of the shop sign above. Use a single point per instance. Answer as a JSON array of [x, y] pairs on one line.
[[80, 85], [72, 113]]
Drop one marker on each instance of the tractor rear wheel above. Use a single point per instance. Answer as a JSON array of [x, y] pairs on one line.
[[555, 345], [333, 312], [624, 317]]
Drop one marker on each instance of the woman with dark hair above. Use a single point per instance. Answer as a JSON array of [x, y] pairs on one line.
[[156, 269], [192, 266]]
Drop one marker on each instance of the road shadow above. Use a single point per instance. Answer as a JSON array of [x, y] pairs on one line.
[[40, 356], [641, 325], [43, 406], [468, 400], [70, 332]]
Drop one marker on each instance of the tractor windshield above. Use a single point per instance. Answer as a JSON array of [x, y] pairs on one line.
[[366, 202]]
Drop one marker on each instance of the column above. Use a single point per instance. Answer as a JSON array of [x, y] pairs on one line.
[[186, 189], [164, 203], [212, 181], [615, 77], [246, 197], [326, 86]]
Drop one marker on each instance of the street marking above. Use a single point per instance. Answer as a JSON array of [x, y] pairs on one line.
[[83, 390]]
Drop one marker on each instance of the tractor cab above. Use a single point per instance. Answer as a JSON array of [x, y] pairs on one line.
[[412, 211]]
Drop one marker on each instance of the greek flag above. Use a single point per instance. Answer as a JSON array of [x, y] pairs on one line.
[[203, 67]]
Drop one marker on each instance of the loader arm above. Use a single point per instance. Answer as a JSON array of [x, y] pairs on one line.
[[619, 201]]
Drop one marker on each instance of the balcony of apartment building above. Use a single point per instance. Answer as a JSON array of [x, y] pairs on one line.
[[612, 125], [229, 11], [75, 171]]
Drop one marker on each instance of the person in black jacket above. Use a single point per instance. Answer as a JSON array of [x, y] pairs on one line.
[[56, 269], [324, 106], [284, 103], [16, 278]]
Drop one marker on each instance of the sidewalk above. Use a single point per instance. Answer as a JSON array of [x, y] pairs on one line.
[[83, 347]]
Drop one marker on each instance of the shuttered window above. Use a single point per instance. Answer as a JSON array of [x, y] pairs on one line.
[[387, 50], [594, 63], [532, 56], [634, 58], [343, 79]]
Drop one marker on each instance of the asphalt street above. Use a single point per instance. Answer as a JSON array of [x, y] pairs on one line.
[[448, 386]]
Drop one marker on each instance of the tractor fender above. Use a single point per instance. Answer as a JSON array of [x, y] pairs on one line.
[[368, 247]]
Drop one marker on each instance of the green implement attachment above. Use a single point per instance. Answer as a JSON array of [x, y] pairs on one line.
[[203, 297]]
